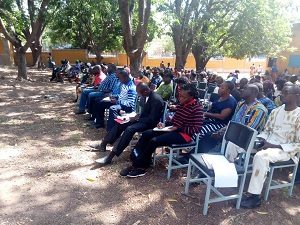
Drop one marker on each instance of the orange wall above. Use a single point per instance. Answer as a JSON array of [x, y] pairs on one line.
[[121, 59], [59, 54], [6, 52], [70, 54]]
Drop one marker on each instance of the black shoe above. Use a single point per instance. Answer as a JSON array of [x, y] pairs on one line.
[[104, 160], [251, 202], [136, 172], [97, 126], [89, 118], [101, 147], [124, 172], [80, 112]]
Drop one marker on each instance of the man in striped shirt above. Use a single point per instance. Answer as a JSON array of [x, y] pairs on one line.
[[187, 122], [124, 100], [110, 83]]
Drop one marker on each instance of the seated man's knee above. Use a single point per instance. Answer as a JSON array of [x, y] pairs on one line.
[[263, 154], [153, 141], [147, 134], [130, 129]]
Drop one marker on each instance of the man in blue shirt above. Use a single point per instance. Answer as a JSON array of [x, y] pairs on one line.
[[124, 99], [109, 84]]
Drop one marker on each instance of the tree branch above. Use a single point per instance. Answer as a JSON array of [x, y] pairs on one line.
[[9, 37]]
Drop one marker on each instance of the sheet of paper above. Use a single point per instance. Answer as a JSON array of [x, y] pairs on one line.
[[163, 129], [225, 172], [121, 121], [106, 99], [125, 117]]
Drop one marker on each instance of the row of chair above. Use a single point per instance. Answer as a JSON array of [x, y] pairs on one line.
[[243, 137]]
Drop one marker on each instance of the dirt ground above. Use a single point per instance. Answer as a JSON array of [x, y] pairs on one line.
[[47, 175]]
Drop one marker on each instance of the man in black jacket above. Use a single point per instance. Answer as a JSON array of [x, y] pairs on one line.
[[152, 107]]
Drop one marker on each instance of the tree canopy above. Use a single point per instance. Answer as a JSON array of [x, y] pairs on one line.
[[23, 23], [207, 28], [93, 25], [234, 28]]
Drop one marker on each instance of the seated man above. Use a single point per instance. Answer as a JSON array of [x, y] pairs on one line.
[[281, 142], [165, 90], [187, 122], [125, 101], [141, 78], [156, 78], [268, 103], [110, 83], [249, 112], [152, 107], [95, 82]]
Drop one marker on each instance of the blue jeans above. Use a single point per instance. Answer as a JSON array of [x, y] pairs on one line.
[[83, 98]]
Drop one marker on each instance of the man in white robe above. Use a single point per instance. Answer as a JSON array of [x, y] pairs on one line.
[[281, 142]]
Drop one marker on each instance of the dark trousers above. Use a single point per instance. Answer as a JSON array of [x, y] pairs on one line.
[[207, 143], [92, 99], [98, 111], [128, 130], [141, 155], [298, 174]]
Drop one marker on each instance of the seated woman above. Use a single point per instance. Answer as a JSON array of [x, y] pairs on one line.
[[219, 115], [174, 100], [187, 122]]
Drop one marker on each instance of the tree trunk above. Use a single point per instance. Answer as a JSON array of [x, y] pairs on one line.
[[181, 48], [36, 55], [136, 60], [22, 69], [200, 58], [180, 60], [134, 42], [99, 57]]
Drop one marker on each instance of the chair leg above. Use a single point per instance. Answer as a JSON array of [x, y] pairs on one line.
[[269, 182], [207, 195], [293, 180], [170, 164], [241, 189], [188, 177], [154, 158]]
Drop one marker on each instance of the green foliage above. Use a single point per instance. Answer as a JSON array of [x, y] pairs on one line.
[[19, 16], [234, 28], [90, 24], [261, 28]]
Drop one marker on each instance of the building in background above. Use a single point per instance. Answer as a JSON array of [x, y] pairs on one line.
[[290, 60]]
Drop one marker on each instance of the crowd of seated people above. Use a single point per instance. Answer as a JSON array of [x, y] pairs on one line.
[[270, 108]]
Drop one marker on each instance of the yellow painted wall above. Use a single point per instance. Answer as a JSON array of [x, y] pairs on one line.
[[59, 54], [70, 54], [6, 52], [224, 65], [282, 61]]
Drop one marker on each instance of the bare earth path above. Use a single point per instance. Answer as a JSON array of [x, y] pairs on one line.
[[46, 176]]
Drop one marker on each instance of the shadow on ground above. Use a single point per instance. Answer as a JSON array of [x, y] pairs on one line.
[[46, 176]]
